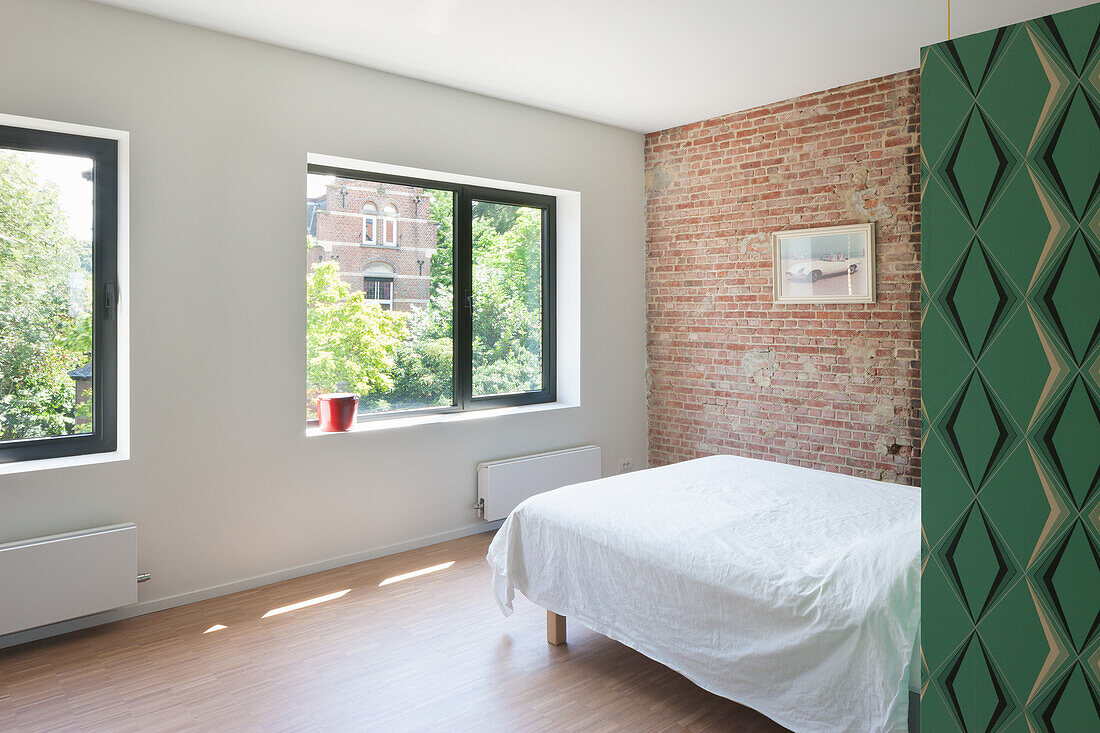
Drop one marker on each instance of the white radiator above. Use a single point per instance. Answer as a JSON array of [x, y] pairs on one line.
[[50, 579], [502, 485]]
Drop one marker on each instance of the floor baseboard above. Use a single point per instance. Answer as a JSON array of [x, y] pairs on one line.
[[182, 599]]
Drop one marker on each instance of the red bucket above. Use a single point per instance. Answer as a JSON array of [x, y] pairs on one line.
[[336, 412]]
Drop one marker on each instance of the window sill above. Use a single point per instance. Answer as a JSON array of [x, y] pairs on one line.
[[393, 423], [45, 464]]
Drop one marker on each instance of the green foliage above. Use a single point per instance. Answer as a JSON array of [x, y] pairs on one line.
[[507, 322], [442, 262], [500, 218], [41, 339], [350, 342], [77, 339], [423, 362]]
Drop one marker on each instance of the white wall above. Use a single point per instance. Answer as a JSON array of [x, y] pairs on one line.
[[219, 132]]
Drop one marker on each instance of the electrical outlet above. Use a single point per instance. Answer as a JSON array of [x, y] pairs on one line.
[[626, 465]]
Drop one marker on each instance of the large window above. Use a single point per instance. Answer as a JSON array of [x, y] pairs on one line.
[[58, 294], [465, 320]]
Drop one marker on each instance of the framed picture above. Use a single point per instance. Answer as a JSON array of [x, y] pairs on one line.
[[824, 265]]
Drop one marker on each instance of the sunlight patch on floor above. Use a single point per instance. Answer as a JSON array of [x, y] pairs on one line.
[[215, 627], [417, 573], [306, 604]]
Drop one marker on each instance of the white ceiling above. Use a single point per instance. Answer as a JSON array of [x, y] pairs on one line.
[[639, 64]]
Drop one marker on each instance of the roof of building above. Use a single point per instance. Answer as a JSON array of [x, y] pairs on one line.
[[312, 207]]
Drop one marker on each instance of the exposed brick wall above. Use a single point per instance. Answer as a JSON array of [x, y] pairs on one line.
[[832, 386]]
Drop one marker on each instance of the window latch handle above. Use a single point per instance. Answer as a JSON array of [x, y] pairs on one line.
[[469, 301], [110, 300]]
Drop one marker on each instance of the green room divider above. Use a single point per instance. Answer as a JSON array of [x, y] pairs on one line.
[[1010, 265]]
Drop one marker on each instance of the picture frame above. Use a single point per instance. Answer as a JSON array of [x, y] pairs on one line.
[[824, 264]]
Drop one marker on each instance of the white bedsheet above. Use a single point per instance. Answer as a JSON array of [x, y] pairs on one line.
[[795, 592]]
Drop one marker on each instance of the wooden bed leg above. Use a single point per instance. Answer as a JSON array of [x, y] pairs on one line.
[[555, 628]]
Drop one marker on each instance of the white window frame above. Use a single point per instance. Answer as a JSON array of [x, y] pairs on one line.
[[388, 241], [374, 228]]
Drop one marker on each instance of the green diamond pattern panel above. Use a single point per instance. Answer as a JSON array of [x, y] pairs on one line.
[[976, 430], [1071, 154], [1015, 91], [976, 692], [1071, 442], [955, 362], [977, 563], [1010, 271], [954, 490], [1015, 503], [1073, 33], [951, 103], [1014, 636], [1073, 705], [974, 59], [942, 220], [977, 165], [1016, 228], [1015, 364], [952, 623], [1070, 580], [1073, 282], [977, 298]]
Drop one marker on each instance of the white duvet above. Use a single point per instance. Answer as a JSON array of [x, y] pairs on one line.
[[793, 591]]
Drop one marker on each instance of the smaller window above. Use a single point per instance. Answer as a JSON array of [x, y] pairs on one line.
[[389, 225], [370, 223], [378, 284], [379, 290]]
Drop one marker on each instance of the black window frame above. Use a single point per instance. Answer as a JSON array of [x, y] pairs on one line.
[[463, 399], [105, 294]]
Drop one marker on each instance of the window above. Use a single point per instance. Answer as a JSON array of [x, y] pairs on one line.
[[370, 223], [389, 225], [378, 284], [474, 325], [58, 294], [379, 290]]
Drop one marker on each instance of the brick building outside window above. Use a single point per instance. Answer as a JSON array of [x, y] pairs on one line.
[[381, 236]]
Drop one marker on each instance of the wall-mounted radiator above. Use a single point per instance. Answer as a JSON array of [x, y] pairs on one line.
[[502, 485], [50, 579]]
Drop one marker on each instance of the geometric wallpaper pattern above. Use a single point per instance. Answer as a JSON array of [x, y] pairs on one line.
[[1010, 333]]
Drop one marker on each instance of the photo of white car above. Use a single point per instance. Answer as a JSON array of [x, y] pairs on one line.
[[814, 270], [824, 264]]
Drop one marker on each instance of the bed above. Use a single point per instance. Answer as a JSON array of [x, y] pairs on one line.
[[792, 591]]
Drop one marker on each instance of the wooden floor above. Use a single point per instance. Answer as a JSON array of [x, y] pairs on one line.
[[429, 653]]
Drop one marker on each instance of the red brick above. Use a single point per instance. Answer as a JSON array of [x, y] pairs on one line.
[[835, 387]]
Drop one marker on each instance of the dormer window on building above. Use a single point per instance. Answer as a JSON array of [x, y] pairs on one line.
[[370, 223], [389, 225]]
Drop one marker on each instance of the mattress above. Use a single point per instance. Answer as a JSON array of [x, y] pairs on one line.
[[793, 591]]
